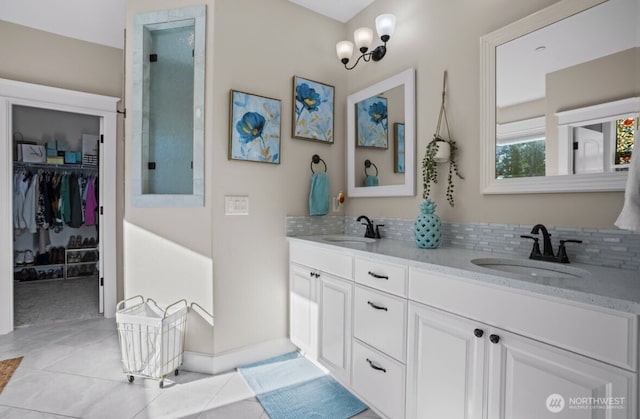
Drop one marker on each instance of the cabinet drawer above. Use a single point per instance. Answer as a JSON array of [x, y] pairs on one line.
[[321, 259], [379, 379], [384, 276], [380, 321], [596, 332]]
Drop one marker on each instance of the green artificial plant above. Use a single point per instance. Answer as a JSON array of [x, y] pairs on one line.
[[430, 167]]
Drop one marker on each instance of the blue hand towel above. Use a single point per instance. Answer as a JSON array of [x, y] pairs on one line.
[[371, 180], [319, 194]]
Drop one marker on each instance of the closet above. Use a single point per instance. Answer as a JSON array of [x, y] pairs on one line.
[[57, 221]]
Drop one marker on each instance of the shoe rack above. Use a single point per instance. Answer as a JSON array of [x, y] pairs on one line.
[[78, 260]]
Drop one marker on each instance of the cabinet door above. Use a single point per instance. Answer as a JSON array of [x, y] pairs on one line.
[[445, 365], [335, 326], [303, 309], [532, 380]]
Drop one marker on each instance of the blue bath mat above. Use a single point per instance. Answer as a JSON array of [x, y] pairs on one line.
[[291, 387]]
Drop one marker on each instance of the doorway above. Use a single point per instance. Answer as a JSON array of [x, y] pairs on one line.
[[59, 137], [56, 240]]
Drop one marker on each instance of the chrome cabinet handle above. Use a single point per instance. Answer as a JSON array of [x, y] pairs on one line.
[[375, 367], [377, 307], [375, 275]]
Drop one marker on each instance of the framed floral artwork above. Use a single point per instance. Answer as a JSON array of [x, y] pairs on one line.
[[313, 109], [398, 142], [254, 128], [372, 123]]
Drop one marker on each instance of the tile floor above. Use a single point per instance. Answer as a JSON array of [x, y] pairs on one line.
[[72, 370]]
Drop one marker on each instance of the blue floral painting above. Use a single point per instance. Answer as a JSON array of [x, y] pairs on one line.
[[255, 128], [398, 157], [313, 107], [372, 123]]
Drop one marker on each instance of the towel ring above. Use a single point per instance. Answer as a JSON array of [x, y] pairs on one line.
[[315, 160], [367, 164]]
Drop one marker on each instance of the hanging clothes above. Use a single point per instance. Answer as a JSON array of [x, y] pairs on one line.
[[76, 203], [82, 188], [43, 212], [65, 200], [91, 204], [20, 186], [30, 205]]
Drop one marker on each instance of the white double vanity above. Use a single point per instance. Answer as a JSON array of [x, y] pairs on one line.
[[427, 334]]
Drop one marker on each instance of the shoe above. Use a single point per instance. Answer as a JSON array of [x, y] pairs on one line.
[[61, 253], [93, 242], [42, 258], [28, 257], [19, 258], [85, 242]]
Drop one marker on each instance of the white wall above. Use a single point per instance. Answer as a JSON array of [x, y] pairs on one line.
[[173, 253]]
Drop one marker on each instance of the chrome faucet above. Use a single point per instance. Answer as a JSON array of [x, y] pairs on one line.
[[372, 231], [547, 249]]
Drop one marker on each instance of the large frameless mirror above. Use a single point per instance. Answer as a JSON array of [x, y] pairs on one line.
[[168, 125], [381, 138], [560, 98]]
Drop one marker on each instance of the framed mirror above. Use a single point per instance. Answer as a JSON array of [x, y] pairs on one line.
[[560, 99], [381, 138], [168, 114]]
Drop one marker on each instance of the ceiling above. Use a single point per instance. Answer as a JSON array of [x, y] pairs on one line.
[[340, 10], [71, 18], [77, 18]]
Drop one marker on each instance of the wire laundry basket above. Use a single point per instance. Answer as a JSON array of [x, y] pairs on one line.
[[151, 338]]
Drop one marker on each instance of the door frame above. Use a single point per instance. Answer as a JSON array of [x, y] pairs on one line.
[[28, 94]]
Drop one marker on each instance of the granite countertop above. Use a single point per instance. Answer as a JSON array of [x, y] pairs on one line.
[[611, 288]]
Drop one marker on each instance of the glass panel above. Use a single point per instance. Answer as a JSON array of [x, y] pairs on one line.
[[625, 139], [171, 110]]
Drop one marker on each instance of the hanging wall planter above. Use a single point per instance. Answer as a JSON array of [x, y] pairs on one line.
[[427, 227], [440, 150]]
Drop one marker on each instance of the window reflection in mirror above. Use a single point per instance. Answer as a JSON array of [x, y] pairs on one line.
[[543, 76]]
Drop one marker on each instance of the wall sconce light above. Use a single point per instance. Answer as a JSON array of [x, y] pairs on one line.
[[363, 37]]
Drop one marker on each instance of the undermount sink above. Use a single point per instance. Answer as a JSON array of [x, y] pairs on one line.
[[347, 239], [532, 268]]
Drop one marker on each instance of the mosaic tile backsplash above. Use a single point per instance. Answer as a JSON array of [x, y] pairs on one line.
[[611, 248]]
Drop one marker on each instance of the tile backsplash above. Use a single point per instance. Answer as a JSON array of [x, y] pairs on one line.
[[612, 248]]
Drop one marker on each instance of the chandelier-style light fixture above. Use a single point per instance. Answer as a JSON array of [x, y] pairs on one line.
[[363, 37]]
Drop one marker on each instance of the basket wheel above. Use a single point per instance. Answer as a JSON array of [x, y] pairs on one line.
[[130, 378], [176, 372], [161, 383]]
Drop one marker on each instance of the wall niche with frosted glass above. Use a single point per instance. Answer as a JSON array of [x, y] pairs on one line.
[[168, 96]]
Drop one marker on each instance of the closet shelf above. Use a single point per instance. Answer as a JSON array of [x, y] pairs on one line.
[[44, 166]]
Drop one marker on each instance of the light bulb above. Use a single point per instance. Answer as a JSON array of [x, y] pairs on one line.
[[363, 38], [344, 49], [385, 26]]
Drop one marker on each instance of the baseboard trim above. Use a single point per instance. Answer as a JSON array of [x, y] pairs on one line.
[[228, 361]]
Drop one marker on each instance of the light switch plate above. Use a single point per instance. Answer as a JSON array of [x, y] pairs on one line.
[[236, 205]]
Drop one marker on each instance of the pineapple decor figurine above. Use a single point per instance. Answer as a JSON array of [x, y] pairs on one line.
[[427, 226]]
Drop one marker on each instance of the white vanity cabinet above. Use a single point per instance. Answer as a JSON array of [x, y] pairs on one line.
[[413, 342], [321, 295], [303, 309], [380, 335], [334, 351], [470, 369]]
